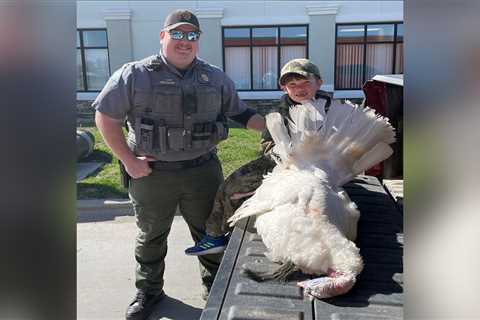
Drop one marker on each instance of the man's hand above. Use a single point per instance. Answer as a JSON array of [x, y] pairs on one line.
[[111, 130], [138, 167], [256, 122]]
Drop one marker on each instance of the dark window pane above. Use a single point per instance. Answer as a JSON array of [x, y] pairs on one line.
[[236, 37], [293, 35], [353, 33], [80, 86], [78, 38], [400, 32], [265, 36], [265, 73], [380, 32], [96, 68], [97, 38], [399, 58], [349, 67], [266, 51]]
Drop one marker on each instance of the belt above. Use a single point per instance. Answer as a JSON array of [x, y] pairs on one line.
[[177, 165]]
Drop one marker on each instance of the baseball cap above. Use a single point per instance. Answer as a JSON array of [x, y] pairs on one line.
[[179, 17], [302, 67]]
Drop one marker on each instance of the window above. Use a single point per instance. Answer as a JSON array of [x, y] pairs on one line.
[[253, 56], [93, 67], [364, 50]]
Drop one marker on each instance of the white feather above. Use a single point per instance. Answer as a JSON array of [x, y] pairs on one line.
[[350, 132], [306, 120], [378, 153], [279, 133]]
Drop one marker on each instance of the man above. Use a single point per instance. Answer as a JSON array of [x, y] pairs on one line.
[[176, 107], [300, 79]]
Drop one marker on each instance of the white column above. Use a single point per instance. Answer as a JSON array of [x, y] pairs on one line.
[[119, 34], [321, 42], [211, 39]]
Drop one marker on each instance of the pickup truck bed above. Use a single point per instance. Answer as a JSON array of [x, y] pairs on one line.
[[378, 293]]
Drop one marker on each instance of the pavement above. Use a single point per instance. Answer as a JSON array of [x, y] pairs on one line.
[[106, 232]]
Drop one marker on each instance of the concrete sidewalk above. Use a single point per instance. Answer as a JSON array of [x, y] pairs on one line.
[[106, 264]]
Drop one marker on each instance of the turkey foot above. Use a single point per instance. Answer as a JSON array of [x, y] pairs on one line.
[[326, 287]]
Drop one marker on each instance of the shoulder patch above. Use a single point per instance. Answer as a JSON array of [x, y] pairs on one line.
[[204, 77]]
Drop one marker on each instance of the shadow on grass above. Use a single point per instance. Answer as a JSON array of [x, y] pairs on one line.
[[99, 191], [99, 156]]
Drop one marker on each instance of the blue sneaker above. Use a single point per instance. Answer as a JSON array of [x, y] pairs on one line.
[[208, 245]]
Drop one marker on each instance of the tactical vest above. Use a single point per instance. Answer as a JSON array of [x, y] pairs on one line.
[[175, 118]]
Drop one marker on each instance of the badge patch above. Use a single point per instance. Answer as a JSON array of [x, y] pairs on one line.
[[186, 16], [204, 77]]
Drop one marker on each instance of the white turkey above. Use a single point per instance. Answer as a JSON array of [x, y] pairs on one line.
[[305, 218]]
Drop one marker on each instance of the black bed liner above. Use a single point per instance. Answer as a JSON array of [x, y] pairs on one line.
[[378, 293]]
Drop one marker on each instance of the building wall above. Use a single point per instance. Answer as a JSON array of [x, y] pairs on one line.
[[134, 26]]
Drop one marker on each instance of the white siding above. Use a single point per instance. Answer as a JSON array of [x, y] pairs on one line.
[[147, 17]]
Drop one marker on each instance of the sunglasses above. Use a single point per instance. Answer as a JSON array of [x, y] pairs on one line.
[[179, 35]]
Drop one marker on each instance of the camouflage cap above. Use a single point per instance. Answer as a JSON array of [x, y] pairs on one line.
[[179, 17], [303, 67]]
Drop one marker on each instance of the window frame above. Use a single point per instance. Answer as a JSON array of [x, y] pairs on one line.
[[251, 46], [365, 42], [82, 56]]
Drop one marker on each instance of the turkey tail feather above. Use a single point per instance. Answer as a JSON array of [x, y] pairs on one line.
[[344, 142], [305, 120], [380, 152], [279, 134], [352, 140], [247, 210]]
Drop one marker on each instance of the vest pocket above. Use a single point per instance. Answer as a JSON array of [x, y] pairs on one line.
[[148, 127], [176, 138], [201, 134], [162, 137], [167, 99], [208, 99], [144, 133], [220, 132]]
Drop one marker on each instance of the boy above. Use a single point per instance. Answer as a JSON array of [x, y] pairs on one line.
[[301, 81]]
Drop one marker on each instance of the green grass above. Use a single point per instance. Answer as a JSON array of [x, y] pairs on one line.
[[242, 146]]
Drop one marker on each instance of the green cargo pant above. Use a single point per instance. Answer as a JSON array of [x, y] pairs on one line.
[[155, 199]]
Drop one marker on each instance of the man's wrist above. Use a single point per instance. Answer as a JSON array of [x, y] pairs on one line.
[[128, 158]]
